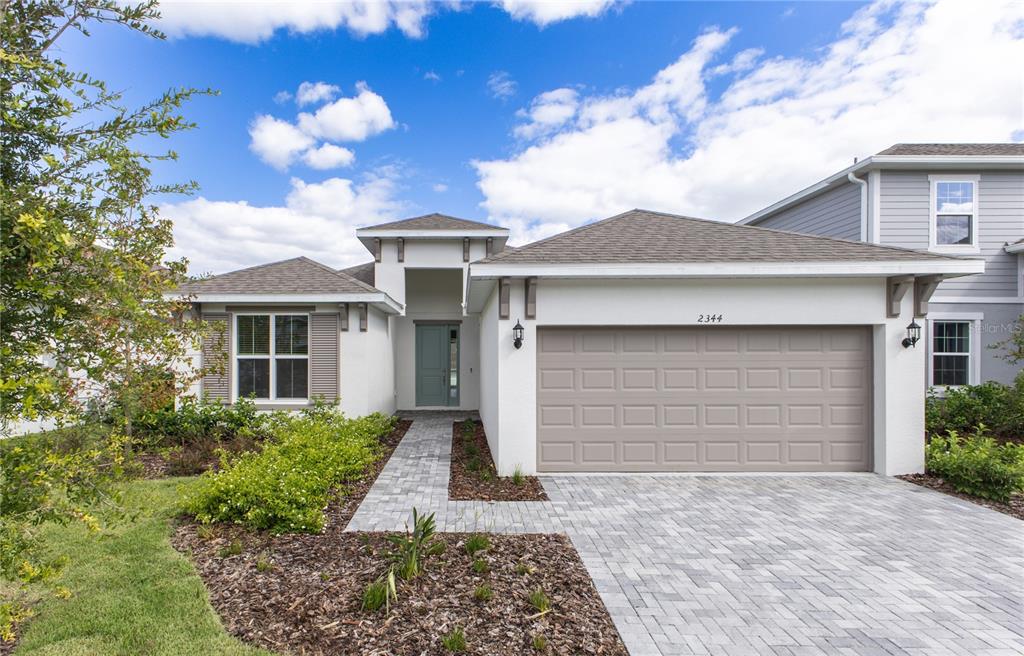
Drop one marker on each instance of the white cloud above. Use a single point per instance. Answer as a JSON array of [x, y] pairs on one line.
[[780, 124], [317, 220], [281, 97], [546, 12], [252, 22], [328, 156], [501, 85], [280, 143], [432, 76], [315, 92], [547, 112], [440, 187], [349, 119], [277, 142]]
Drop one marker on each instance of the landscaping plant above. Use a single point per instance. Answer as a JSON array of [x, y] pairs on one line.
[[483, 593], [455, 641], [477, 542], [540, 601], [977, 464], [411, 548], [963, 409], [286, 485], [380, 593]]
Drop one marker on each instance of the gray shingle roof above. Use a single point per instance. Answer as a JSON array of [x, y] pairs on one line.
[[299, 275], [364, 272], [641, 236], [434, 222], [957, 149]]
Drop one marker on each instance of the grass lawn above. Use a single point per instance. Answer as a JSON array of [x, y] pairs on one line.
[[132, 593]]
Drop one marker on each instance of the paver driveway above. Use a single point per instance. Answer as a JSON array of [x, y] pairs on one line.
[[719, 564]]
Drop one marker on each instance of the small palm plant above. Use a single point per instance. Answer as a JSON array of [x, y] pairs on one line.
[[413, 546]]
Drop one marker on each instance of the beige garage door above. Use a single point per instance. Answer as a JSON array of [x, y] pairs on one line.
[[704, 399]]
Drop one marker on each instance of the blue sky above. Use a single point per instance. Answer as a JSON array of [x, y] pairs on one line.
[[533, 117]]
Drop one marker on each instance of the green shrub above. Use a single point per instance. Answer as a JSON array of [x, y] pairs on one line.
[[480, 566], [977, 465], [202, 420], [962, 409], [285, 486]]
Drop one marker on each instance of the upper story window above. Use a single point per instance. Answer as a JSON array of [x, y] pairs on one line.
[[272, 356], [954, 220]]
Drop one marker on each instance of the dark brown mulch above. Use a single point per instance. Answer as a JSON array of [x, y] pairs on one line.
[[1015, 508], [309, 600], [191, 459], [482, 483]]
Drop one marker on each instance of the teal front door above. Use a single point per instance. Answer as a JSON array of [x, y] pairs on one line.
[[437, 364]]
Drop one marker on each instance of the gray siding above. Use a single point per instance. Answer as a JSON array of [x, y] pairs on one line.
[[905, 206], [996, 327], [216, 381], [323, 355], [834, 213]]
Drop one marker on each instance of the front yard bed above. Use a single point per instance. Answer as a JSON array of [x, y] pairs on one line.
[[473, 476], [303, 594], [1014, 508]]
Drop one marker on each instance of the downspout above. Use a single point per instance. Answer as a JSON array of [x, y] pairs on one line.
[[863, 204]]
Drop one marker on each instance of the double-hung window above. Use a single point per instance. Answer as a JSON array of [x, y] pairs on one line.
[[954, 221], [272, 356], [951, 353]]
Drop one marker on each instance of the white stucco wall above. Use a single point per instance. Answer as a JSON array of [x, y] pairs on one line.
[[509, 411], [367, 365], [421, 254], [487, 345]]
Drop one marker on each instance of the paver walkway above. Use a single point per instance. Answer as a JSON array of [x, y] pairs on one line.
[[757, 564]]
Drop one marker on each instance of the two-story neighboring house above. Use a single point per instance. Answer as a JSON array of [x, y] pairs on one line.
[[951, 199]]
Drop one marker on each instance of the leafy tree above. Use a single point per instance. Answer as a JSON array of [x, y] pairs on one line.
[[86, 290], [1014, 344], [83, 275]]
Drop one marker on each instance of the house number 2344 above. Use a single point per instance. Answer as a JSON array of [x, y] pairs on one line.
[[709, 318]]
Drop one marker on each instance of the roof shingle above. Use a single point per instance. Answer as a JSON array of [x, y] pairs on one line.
[[299, 275], [434, 221], [365, 272], [956, 150], [641, 236]]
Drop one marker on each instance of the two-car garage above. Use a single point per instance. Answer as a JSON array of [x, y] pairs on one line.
[[704, 398]]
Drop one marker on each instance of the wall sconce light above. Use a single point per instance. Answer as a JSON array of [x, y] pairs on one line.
[[517, 335], [913, 334]]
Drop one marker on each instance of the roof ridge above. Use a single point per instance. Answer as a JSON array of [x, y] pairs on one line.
[[500, 255], [253, 267]]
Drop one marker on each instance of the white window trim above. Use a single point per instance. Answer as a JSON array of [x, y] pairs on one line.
[[271, 356], [974, 351], [961, 249]]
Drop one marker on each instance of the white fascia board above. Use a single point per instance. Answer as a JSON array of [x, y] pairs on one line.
[[430, 234], [382, 301], [950, 268], [884, 162]]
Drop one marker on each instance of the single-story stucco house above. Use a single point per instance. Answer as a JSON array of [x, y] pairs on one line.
[[642, 342]]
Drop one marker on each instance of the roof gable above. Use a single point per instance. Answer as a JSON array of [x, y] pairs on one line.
[[642, 236], [299, 275], [434, 221], [365, 272]]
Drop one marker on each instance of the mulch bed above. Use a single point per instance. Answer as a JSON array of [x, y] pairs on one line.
[[1015, 508], [191, 459], [302, 594], [309, 600], [482, 483]]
